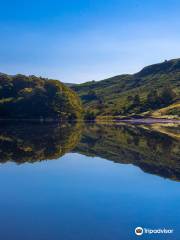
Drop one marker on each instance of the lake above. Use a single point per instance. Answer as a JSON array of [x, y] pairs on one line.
[[89, 182]]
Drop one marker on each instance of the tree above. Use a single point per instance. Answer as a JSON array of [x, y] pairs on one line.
[[25, 97], [153, 99], [136, 100], [167, 95], [90, 96]]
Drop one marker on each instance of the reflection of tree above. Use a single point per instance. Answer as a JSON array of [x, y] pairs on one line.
[[152, 151], [36, 142]]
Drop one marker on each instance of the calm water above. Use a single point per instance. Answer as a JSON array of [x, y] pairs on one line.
[[95, 182]]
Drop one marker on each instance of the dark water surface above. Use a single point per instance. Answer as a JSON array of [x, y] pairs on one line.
[[95, 182]]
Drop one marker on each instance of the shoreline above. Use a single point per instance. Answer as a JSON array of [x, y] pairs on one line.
[[149, 120], [141, 120]]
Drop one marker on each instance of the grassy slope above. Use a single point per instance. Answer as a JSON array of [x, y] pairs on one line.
[[170, 111], [114, 91]]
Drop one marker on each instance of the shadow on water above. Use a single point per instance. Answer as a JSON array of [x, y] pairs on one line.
[[153, 148]]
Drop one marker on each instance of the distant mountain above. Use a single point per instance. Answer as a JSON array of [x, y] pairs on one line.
[[23, 97], [154, 87], [69, 84]]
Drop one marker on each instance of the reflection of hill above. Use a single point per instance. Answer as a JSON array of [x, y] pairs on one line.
[[36, 142], [152, 151], [171, 129], [153, 148]]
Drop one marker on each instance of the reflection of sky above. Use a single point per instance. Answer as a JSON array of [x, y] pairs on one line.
[[78, 197], [76, 41]]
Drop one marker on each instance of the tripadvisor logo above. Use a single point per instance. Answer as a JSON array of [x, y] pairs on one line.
[[138, 231]]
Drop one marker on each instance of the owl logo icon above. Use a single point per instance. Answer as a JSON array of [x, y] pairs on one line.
[[139, 231]]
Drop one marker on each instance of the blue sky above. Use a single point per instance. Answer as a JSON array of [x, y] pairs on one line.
[[82, 40]]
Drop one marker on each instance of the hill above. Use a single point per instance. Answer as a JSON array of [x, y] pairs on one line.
[[30, 97], [154, 87]]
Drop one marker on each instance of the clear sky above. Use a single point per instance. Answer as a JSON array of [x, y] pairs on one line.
[[82, 40]]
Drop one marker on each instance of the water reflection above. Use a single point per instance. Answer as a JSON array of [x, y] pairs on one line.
[[36, 142], [153, 148]]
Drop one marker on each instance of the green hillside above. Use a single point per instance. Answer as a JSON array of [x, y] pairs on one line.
[[154, 87], [23, 97]]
